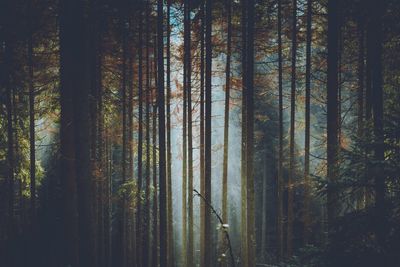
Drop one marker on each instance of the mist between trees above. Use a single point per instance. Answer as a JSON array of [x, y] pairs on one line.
[[199, 133]]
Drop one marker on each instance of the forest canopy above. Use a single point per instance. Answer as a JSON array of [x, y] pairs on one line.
[[199, 133]]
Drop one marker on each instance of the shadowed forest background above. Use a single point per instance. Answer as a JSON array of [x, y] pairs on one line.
[[199, 133]]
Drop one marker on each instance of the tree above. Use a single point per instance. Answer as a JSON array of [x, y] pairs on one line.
[[207, 134], [332, 110], [250, 133], [161, 135], [280, 182], [170, 240], [306, 211], [290, 214], [139, 236]]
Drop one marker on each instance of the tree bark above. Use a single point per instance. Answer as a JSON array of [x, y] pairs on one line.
[[161, 135], [280, 181], [207, 148], [290, 214], [332, 111], [306, 218]]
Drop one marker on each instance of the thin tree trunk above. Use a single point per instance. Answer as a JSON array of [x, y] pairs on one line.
[[147, 230], [306, 218], [202, 113], [360, 98], [280, 181], [243, 185], [154, 247], [290, 215], [170, 233], [184, 149], [123, 225], [207, 149], [189, 132], [250, 135], [226, 114], [226, 125], [161, 135], [139, 224]]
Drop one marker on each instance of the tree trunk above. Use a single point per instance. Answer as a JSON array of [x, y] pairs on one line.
[[170, 233], [32, 150], [202, 113], [251, 235], [189, 132], [280, 181], [243, 184], [290, 214], [306, 214], [147, 229], [71, 52], [207, 148], [375, 27], [139, 225], [161, 135], [332, 111]]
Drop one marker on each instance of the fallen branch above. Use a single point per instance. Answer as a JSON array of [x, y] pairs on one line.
[[221, 222]]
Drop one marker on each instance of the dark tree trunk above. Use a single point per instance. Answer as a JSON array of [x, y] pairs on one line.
[[139, 225], [226, 114], [161, 135], [290, 214], [189, 132], [202, 113], [243, 184], [375, 33], [280, 181], [306, 214], [332, 110], [147, 229], [251, 235], [71, 80]]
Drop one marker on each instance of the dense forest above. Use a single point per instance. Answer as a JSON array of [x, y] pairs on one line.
[[199, 133]]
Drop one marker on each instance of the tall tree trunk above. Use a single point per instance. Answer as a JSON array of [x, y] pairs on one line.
[[226, 114], [375, 33], [226, 124], [132, 249], [184, 148], [280, 181], [243, 184], [189, 132], [139, 224], [250, 134], [123, 225], [360, 97], [170, 233], [161, 135], [207, 148], [306, 212], [290, 214], [202, 113], [332, 111], [71, 79], [147, 230], [154, 246]]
